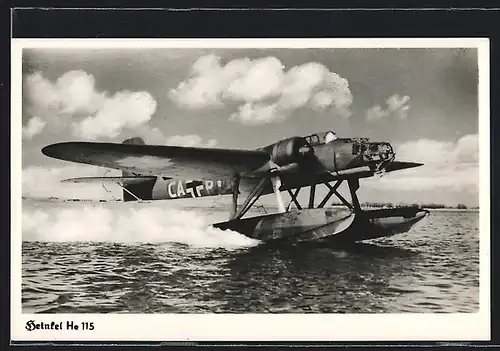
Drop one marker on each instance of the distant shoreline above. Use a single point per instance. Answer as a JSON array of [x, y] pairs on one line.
[[55, 199], [368, 205]]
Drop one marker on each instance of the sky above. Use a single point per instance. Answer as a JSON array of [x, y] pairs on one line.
[[423, 101]]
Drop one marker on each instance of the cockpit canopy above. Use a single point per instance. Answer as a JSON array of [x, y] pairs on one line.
[[321, 138], [328, 137], [360, 146]]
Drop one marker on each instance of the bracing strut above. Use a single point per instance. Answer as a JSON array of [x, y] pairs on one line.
[[353, 187], [236, 190], [257, 191], [128, 191], [333, 190], [249, 201], [294, 198]]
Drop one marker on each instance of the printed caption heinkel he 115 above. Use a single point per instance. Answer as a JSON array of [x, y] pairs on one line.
[[158, 172]]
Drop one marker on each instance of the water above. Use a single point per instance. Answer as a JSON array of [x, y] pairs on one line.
[[104, 259]]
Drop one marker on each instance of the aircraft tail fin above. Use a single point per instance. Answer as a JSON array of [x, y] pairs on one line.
[[134, 141], [143, 190]]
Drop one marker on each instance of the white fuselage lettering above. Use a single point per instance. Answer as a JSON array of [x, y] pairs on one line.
[[198, 188], [170, 193], [180, 189]]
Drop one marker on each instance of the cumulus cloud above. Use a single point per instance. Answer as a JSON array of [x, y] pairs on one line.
[[396, 106], [154, 135], [190, 140], [255, 114], [122, 110], [74, 100], [448, 166], [35, 126], [73, 92], [263, 90]]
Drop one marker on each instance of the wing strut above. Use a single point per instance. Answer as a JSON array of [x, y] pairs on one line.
[[236, 190], [250, 200], [353, 187], [312, 195]]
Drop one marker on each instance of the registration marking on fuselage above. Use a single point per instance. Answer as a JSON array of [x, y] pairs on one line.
[[196, 188]]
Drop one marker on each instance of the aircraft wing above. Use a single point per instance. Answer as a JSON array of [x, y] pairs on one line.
[[294, 181], [399, 165], [171, 161]]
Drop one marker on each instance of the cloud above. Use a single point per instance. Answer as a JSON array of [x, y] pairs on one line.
[[190, 140], [154, 135], [123, 110], [73, 92], [263, 90], [259, 79], [448, 166], [35, 126], [397, 106], [255, 114], [73, 100]]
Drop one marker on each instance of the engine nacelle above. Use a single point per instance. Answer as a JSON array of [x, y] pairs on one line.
[[291, 151]]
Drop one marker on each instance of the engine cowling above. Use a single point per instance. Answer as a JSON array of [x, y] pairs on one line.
[[295, 150]]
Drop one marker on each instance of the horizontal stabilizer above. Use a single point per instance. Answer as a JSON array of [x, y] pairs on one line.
[[122, 180]]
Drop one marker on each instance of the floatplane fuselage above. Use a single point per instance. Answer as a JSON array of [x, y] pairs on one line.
[[157, 172]]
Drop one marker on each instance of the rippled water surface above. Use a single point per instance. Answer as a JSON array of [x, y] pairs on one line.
[[182, 267]]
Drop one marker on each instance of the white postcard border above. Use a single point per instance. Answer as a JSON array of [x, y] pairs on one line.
[[259, 327]]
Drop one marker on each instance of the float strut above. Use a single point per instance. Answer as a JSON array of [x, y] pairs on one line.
[[353, 187], [251, 198], [236, 190], [312, 194], [333, 190], [294, 198], [343, 200]]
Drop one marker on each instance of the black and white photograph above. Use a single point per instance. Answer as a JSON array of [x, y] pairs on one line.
[[252, 178]]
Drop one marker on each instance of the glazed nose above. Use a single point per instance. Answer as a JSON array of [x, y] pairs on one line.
[[379, 151]]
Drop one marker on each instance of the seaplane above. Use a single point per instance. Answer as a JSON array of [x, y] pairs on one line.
[[161, 172]]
